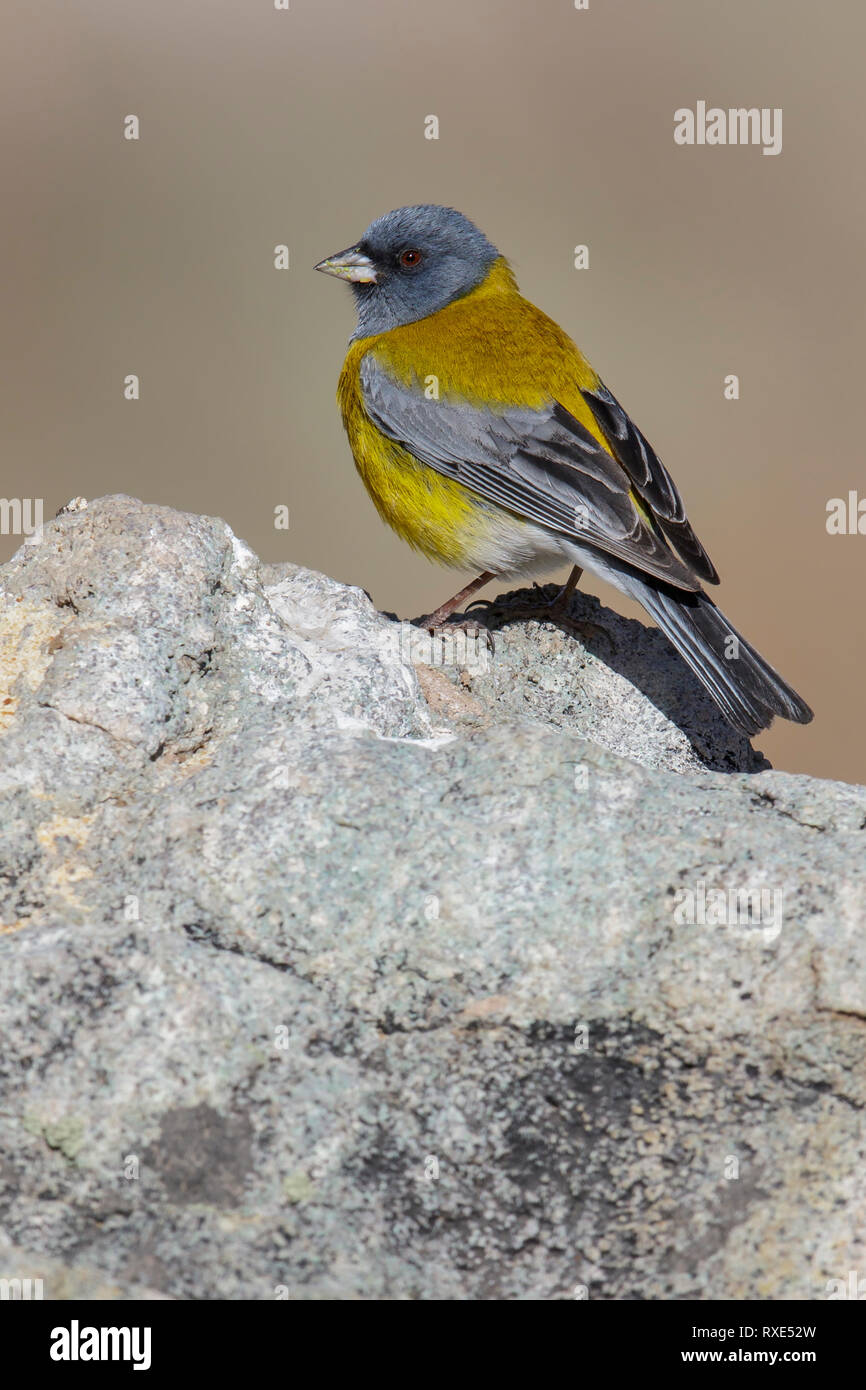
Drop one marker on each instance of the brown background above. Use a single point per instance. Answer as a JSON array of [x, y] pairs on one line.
[[260, 127]]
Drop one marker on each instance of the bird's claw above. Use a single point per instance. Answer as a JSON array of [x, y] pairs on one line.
[[498, 612]]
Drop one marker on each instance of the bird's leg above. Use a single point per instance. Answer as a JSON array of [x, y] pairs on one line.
[[560, 605], [441, 615], [555, 610]]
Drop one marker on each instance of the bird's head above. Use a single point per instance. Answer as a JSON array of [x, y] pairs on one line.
[[410, 263]]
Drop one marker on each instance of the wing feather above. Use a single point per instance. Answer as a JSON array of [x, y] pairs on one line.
[[543, 465], [651, 479]]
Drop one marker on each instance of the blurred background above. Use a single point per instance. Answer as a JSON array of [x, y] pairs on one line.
[[260, 127]]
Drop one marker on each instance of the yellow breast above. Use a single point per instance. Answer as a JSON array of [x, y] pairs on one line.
[[441, 518], [491, 348]]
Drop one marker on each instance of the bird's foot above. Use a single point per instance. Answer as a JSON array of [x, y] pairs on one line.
[[499, 611]]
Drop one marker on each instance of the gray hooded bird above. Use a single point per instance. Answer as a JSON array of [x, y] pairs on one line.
[[487, 441]]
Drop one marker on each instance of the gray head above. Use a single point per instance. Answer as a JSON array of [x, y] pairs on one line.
[[410, 263]]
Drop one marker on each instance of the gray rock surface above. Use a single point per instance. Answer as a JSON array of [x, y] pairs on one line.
[[337, 962]]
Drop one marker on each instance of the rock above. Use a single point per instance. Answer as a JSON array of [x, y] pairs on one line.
[[340, 962]]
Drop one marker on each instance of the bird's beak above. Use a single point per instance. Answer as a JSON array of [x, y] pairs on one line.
[[351, 264]]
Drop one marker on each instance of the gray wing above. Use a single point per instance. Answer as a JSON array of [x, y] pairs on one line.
[[543, 465], [651, 479]]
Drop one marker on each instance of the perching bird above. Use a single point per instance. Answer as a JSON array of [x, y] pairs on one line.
[[487, 441]]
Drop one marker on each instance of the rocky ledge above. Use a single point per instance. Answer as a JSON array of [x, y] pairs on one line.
[[341, 962]]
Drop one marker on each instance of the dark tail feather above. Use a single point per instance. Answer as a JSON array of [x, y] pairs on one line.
[[744, 686]]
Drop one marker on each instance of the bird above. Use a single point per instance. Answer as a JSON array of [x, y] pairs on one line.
[[488, 442]]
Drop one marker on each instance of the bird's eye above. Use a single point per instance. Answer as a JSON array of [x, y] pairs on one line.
[[410, 257]]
